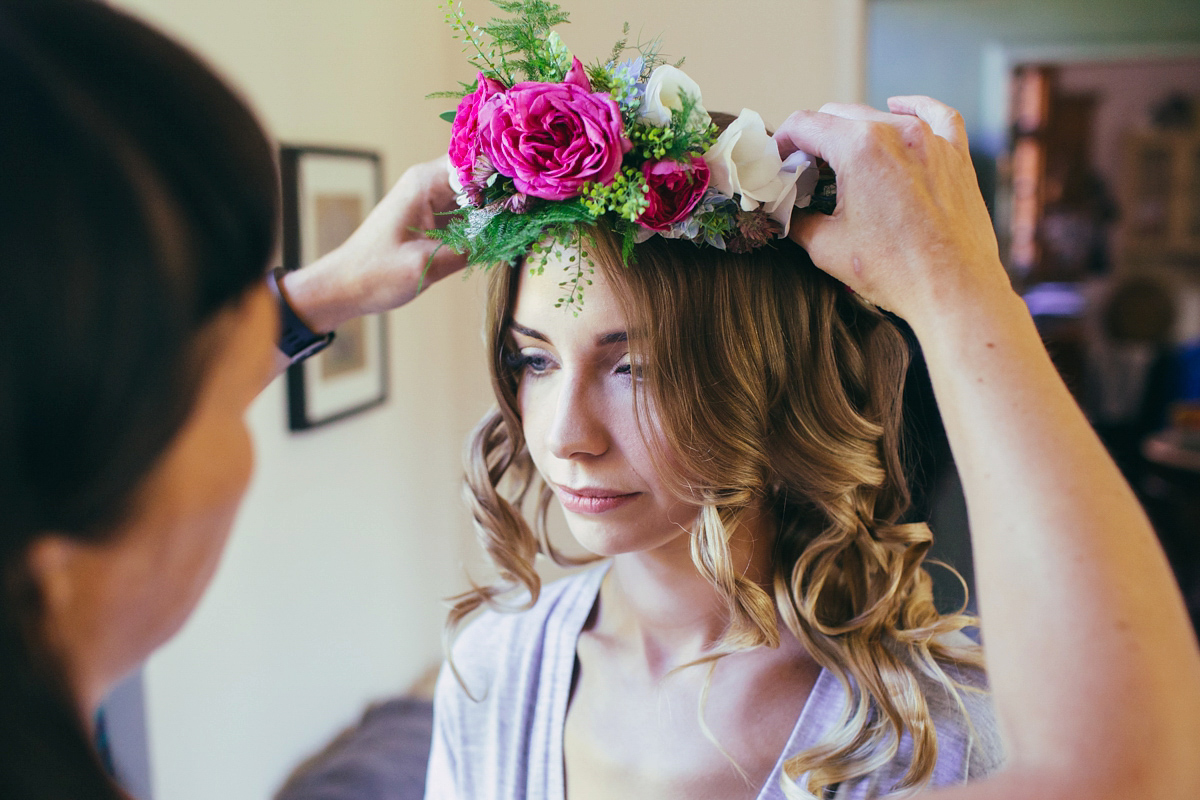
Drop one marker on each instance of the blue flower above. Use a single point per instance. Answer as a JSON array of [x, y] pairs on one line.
[[628, 90]]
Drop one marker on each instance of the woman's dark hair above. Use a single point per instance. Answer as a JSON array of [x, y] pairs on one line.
[[138, 198]]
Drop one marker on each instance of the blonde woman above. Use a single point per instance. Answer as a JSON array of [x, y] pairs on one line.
[[722, 430]]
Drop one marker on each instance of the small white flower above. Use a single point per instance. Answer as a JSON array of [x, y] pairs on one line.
[[665, 91], [744, 161]]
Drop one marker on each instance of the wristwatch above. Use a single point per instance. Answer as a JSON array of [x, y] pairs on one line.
[[296, 340]]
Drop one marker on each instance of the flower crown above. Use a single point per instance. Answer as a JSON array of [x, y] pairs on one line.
[[542, 147]]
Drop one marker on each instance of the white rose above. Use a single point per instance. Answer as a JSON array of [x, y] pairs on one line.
[[665, 92], [745, 161]]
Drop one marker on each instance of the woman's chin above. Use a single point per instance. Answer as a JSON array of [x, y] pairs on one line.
[[605, 538]]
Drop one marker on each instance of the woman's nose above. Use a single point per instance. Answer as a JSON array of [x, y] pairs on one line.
[[577, 429]]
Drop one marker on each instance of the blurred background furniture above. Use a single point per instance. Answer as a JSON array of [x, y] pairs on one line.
[[381, 757], [1170, 489], [1085, 137], [1162, 185]]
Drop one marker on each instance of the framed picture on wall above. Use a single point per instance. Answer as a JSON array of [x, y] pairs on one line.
[[327, 192]]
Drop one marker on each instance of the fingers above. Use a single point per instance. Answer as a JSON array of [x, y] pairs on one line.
[[818, 235], [941, 118], [442, 195], [435, 261], [816, 133], [446, 261], [839, 130], [856, 111], [805, 229], [421, 196], [432, 179]]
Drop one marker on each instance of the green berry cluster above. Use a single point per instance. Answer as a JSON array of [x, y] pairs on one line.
[[675, 142], [623, 90], [652, 142], [626, 195]]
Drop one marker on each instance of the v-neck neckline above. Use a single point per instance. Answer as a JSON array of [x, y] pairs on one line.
[[805, 733]]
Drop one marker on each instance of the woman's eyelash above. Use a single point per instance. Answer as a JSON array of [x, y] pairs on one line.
[[629, 368], [518, 362], [539, 363]]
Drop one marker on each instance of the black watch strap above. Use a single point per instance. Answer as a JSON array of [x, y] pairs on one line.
[[296, 340]]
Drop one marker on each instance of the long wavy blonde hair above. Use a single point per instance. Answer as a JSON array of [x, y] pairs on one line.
[[775, 387]]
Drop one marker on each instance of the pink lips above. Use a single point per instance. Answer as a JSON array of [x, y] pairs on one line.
[[592, 501]]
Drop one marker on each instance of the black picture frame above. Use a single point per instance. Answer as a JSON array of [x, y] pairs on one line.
[[327, 192]]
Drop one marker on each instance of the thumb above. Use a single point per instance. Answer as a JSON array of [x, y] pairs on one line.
[[818, 235], [437, 261]]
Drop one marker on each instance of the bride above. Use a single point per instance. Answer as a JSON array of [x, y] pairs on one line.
[[724, 428], [720, 425]]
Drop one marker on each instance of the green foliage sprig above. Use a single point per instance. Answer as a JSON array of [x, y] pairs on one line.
[[495, 236], [578, 263], [510, 50], [491, 236]]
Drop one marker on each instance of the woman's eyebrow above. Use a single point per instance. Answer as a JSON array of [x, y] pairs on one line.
[[601, 341], [530, 332]]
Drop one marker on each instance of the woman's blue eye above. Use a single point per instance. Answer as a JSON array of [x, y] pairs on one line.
[[534, 363], [629, 369]]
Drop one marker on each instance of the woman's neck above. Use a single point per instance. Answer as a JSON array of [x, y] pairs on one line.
[[658, 602]]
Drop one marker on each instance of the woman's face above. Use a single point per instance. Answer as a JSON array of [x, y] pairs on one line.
[[113, 602], [575, 397]]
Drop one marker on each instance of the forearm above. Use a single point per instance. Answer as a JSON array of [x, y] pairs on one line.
[[317, 298], [323, 295], [1077, 600], [334, 290]]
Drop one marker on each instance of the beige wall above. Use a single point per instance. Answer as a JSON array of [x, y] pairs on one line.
[[328, 595], [772, 56]]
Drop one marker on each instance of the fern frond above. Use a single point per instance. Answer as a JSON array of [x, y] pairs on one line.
[[493, 237]]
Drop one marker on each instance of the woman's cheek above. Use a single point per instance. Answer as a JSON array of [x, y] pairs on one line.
[[242, 456], [531, 406]]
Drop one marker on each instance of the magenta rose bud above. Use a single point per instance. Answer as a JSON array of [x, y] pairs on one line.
[[552, 138], [674, 190], [464, 135], [578, 75]]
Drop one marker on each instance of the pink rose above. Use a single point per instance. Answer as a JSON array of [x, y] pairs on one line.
[[552, 138], [674, 190], [464, 135]]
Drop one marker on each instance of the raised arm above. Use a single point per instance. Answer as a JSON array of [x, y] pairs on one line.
[[1092, 660], [383, 263]]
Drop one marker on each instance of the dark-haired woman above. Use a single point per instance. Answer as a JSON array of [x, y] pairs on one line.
[[138, 205]]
